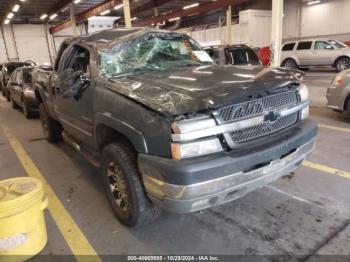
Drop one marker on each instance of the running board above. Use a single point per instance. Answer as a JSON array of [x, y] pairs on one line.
[[85, 153]]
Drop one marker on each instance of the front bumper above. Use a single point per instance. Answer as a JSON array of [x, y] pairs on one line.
[[335, 99], [193, 184]]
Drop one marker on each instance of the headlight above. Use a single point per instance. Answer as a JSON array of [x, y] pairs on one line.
[[338, 80], [29, 93], [190, 125], [304, 95], [198, 148]]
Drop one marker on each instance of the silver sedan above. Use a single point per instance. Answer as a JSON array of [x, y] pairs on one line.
[[338, 93]]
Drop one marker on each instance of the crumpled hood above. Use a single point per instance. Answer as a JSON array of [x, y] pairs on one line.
[[206, 87]]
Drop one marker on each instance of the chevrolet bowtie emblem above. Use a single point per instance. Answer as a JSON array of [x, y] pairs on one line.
[[272, 116]]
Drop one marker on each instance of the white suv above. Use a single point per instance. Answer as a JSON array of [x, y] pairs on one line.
[[306, 53]]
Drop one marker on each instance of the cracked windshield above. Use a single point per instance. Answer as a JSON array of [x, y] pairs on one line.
[[154, 51]]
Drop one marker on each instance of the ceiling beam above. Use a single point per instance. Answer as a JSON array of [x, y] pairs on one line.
[[203, 8], [106, 5]]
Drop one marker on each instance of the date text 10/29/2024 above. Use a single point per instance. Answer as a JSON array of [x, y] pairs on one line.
[[173, 258]]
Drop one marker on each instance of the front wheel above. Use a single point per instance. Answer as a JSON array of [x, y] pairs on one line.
[[14, 105], [124, 188], [289, 64], [27, 110], [342, 64], [52, 129]]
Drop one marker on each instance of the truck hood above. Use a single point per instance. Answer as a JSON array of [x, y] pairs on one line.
[[206, 87]]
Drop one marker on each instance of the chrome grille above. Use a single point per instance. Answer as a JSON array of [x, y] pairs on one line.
[[264, 129], [257, 107]]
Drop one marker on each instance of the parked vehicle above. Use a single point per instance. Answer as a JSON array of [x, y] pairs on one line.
[[306, 53], [171, 129], [5, 74], [338, 93], [21, 89], [233, 55]]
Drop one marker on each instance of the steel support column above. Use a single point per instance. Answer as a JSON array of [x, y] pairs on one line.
[[127, 13], [73, 19], [229, 25], [276, 32]]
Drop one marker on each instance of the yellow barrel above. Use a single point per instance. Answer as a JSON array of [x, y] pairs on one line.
[[22, 223]]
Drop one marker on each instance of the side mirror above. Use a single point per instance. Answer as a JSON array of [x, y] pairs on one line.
[[329, 47]]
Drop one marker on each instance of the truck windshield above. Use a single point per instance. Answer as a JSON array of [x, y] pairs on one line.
[[153, 51]]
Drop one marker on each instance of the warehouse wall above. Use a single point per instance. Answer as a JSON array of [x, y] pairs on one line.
[[329, 18], [23, 42]]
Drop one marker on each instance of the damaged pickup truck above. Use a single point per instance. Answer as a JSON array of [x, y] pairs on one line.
[[170, 129]]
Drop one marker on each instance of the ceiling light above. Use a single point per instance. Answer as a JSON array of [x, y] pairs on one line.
[[15, 8], [118, 6], [42, 17], [190, 6], [22, 0], [7, 21], [174, 19], [134, 18], [53, 16], [105, 12], [77, 1], [10, 15], [64, 9], [313, 2]]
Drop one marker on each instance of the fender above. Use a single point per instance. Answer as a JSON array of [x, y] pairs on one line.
[[135, 136]]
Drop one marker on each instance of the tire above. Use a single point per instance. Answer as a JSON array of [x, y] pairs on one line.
[[1, 85], [14, 105], [289, 63], [27, 111], [52, 129], [122, 184], [342, 64], [8, 95], [347, 108]]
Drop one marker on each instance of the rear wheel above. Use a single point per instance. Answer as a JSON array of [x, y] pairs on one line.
[[52, 129], [7, 92], [342, 64], [124, 188], [27, 110], [289, 64]]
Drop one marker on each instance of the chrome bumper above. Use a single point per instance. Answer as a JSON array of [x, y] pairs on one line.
[[194, 197]]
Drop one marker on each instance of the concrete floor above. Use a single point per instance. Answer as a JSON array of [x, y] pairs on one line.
[[305, 214]]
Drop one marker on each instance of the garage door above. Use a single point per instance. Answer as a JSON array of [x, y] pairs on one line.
[[31, 43], [3, 54]]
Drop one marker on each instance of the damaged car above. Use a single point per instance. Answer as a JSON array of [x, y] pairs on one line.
[[169, 128]]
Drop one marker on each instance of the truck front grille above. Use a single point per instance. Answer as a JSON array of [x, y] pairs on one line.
[[264, 129], [254, 108], [257, 107]]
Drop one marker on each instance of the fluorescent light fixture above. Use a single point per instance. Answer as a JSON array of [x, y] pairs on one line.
[[7, 21], [10, 15], [53, 16], [118, 6], [77, 1], [134, 18], [313, 2], [64, 9], [105, 12], [190, 6], [42, 17], [92, 17], [174, 19], [16, 8], [22, 0]]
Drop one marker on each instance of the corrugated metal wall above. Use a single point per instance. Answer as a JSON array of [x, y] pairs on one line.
[[327, 18], [3, 53], [31, 43]]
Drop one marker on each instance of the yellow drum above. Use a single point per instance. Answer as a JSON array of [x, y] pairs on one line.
[[22, 223]]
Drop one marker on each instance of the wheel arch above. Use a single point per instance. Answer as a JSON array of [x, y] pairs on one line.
[[339, 57], [108, 130], [290, 58]]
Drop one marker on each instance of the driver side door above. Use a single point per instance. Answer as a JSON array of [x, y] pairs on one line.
[[74, 93]]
